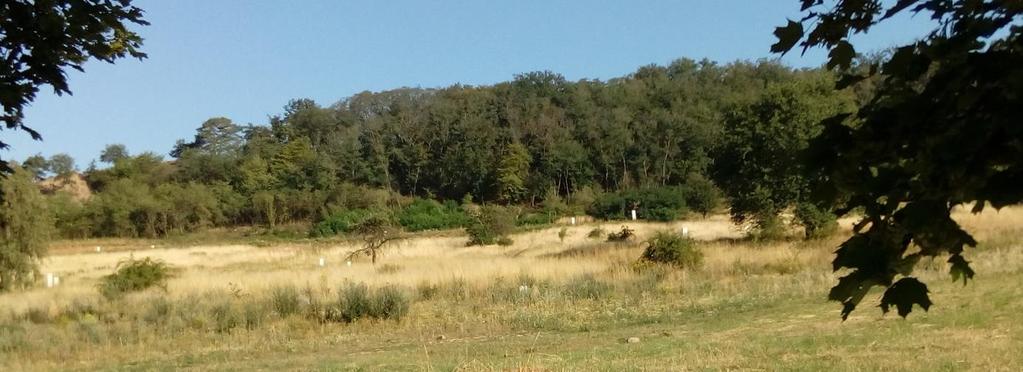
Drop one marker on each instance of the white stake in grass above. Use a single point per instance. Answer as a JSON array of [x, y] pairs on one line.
[[633, 214], [49, 280], [99, 249], [323, 262], [349, 263], [685, 231], [573, 221]]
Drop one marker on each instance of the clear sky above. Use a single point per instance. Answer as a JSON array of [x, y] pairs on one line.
[[245, 59]]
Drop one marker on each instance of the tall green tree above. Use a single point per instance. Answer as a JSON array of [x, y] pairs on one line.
[[113, 152], [63, 166], [212, 156], [942, 130], [25, 229], [758, 165], [36, 165], [512, 173], [41, 40]]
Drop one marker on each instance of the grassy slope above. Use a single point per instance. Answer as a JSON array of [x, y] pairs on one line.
[[977, 327], [750, 308]]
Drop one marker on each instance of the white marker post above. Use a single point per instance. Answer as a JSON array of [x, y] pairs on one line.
[[349, 263], [633, 214], [99, 249], [49, 280], [573, 220], [323, 262], [685, 231]]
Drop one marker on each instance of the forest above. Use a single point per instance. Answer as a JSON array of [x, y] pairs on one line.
[[687, 137]]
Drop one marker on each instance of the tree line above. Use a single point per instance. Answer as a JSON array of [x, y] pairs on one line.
[[694, 127]]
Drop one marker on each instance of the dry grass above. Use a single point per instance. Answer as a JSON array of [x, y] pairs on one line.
[[750, 306]]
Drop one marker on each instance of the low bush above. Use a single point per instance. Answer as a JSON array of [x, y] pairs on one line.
[[284, 300], [350, 222], [342, 222], [427, 214], [817, 222], [353, 303], [673, 249], [624, 235], [596, 233], [133, 275], [652, 203], [390, 302], [225, 316], [536, 218], [491, 225], [356, 301], [768, 228]]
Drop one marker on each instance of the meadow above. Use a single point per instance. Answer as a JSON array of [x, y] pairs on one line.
[[546, 302]]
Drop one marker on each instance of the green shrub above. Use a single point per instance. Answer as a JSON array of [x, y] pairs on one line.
[[225, 316], [673, 249], [661, 203], [662, 214], [817, 222], [426, 214], [624, 235], [596, 233], [390, 302], [768, 228], [581, 199], [158, 311], [554, 205], [490, 225], [562, 234], [133, 275], [702, 196], [356, 302], [284, 300], [341, 222], [536, 218]]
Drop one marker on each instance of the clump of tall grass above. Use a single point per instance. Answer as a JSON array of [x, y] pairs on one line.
[[285, 300], [587, 287], [356, 301]]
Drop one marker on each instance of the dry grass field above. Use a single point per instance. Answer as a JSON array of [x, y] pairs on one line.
[[539, 304]]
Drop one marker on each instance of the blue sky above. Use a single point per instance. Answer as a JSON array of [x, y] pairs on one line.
[[245, 59]]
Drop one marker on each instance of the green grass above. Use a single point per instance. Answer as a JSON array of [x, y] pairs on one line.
[[746, 327], [747, 308]]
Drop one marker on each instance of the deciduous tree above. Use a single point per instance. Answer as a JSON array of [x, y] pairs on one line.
[[942, 130]]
